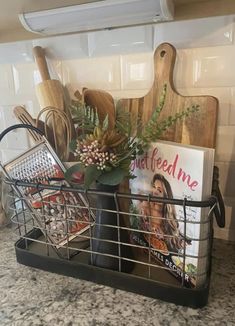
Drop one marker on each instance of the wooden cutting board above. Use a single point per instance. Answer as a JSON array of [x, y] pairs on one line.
[[197, 129]]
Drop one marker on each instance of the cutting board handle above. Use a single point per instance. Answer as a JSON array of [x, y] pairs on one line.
[[40, 59], [164, 61]]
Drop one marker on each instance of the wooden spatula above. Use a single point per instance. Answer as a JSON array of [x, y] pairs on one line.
[[23, 116], [50, 93]]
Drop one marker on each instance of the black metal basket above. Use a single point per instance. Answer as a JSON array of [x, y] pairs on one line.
[[102, 247], [146, 276]]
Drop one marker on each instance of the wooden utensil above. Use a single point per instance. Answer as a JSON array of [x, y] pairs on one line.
[[103, 102], [197, 129], [23, 115], [52, 114], [50, 93]]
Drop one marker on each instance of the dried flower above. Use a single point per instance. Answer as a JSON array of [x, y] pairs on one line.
[[94, 153]]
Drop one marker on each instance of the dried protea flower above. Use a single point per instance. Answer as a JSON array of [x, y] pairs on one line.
[[107, 139]]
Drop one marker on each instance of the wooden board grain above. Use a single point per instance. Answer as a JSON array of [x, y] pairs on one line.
[[198, 129]]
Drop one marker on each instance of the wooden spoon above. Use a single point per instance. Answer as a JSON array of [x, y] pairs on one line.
[[103, 102]]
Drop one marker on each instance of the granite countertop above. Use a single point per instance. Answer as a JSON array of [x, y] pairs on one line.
[[33, 297]]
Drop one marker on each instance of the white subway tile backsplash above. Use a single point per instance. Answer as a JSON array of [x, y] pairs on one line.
[[232, 110], [17, 52], [9, 154], [122, 40], [17, 139], [64, 47], [225, 144], [130, 93], [102, 73], [203, 32], [205, 67], [226, 177], [6, 79], [137, 71], [23, 75], [212, 66]]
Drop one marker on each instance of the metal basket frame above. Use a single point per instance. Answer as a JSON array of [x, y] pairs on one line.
[[33, 243], [35, 248]]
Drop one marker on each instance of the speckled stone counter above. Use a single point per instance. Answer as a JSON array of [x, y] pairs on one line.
[[34, 297]]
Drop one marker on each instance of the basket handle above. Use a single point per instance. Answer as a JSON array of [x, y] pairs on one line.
[[220, 208], [17, 126]]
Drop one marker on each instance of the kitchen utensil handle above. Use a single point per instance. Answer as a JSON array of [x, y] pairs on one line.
[[17, 126], [25, 118], [40, 59]]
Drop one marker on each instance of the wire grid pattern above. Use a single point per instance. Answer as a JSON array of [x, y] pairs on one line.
[[27, 218]]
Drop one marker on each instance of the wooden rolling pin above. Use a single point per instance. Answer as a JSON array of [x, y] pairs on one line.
[[50, 93]]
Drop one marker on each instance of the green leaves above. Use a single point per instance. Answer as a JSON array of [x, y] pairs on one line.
[[73, 145], [84, 116], [75, 174], [91, 174], [154, 129], [123, 121], [80, 175], [106, 123], [113, 177]]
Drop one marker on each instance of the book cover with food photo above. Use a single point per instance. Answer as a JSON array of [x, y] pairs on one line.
[[171, 170], [63, 215]]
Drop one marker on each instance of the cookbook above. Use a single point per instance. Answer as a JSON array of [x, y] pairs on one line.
[[178, 238]]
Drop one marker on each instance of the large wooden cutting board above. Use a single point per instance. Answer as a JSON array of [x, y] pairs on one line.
[[198, 129]]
